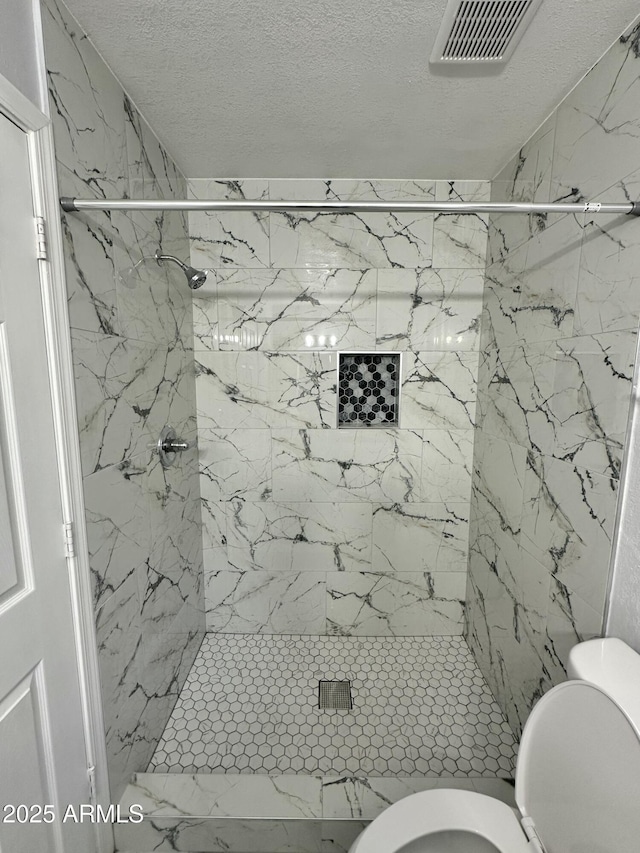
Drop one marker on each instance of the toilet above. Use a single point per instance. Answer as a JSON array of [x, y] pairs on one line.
[[577, 776]]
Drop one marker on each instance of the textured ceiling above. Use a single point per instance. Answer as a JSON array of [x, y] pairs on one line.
[[337, 88]]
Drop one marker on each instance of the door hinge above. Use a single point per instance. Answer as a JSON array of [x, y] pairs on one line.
[[42, 253], [69, 539], [91, 776]]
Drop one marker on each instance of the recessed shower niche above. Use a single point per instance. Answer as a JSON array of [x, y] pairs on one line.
[[368, 389]]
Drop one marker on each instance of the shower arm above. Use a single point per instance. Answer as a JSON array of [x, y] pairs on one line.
[[70, 205]]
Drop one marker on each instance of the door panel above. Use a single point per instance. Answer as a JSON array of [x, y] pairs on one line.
[[23, 758], [42, 752]]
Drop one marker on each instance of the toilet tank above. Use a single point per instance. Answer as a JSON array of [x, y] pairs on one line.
[[614, 667]]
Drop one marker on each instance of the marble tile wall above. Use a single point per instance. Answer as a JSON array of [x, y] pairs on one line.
[[559, 329], [132, 341], [307, 528]]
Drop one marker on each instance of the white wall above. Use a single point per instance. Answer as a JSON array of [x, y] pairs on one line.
[[20, 48]]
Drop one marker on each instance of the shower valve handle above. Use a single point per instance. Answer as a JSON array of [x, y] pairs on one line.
[[171, 445]]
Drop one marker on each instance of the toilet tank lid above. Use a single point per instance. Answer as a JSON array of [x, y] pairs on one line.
[[614, 666], [578, 771]]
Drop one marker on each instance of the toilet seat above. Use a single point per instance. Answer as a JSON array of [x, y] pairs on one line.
[[441, 810], [577, 787]]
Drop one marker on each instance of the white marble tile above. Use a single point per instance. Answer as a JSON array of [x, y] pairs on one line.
[[460, 240], [153, 299], [117, 517], [347, 465], [228, 795], [204, 303], [229, 239], [429, 309], [235, 464], [130, 738], [328, 240], [447, 459], [220, 835], [517, 385], [429, 537], [176, 529], [172, 399], [438, 390], [124, 390], [570, 620], [513, 589], [591, 399], [214, 526], [526, 178], [90, 270], [338, 836], [254, 390], [607, 298], [403, 604], [266, 602], [299, 537], [118, 634], [215, 559], [152, 173], [535, 287], [598, 126], [132, 348], [499, 472], [295, 309], [567, 524], [87, 109], [368, 797]]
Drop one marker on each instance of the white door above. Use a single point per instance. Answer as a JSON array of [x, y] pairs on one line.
[[42, 752]]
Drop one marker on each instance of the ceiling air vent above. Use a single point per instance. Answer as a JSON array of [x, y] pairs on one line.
[[482, 30]]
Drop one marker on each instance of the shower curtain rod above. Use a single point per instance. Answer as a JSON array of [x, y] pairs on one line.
[[77, 204]]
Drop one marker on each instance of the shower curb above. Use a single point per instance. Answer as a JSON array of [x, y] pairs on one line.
[[251, 813]]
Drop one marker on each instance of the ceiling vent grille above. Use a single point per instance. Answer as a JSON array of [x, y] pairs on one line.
[[482, 30]]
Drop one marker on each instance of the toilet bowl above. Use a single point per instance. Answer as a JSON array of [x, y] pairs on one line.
[[577, 776]]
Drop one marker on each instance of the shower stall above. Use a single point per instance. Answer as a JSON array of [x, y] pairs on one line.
[[391, 449]]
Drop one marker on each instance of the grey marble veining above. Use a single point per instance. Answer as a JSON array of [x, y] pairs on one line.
[[439, 390], [429, 309], [87, 109], [526, 178], [254, 389], [132, 347], [293, 309], [592, 392], [353, 240], [235, 463], [232, 239], [460, 240], [558, 347], [420, 537], [299, 536], [266, 602], [347, 465], [397, 605], [607, 297], [286, 495], [597, 125]]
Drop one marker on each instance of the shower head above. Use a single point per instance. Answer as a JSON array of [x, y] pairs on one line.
[[195, 278]]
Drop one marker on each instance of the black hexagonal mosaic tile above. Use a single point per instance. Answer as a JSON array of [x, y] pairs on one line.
[[368, 389]]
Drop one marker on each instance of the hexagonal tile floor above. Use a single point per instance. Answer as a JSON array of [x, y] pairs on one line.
[[420, 707]]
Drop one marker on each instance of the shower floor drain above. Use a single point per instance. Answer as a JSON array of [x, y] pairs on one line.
[[335, 695]]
